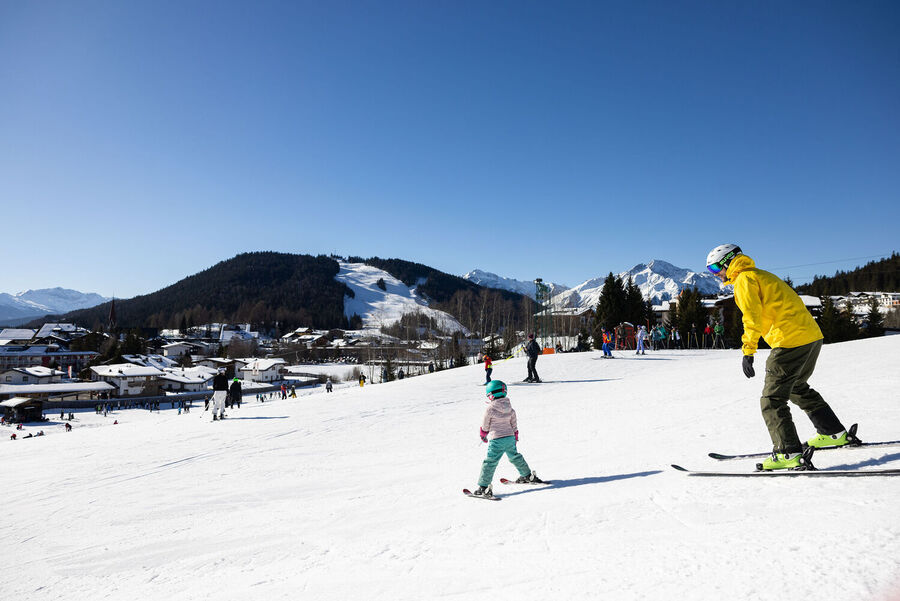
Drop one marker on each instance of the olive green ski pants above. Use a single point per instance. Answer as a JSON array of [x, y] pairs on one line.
[[787, 372]]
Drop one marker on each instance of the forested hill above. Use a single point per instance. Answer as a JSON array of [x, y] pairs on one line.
[[261, 288], [278, 292], [875, 276]]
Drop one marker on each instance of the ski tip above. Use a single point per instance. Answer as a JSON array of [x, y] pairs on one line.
[[718, 456], [679, 468]]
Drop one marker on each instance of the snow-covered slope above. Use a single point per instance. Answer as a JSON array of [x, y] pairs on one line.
[[32, 304], [492, 280], [379, 307], [657, 280], [355, 495]]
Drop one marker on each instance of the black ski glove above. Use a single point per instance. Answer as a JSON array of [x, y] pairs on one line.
[[747, 366]]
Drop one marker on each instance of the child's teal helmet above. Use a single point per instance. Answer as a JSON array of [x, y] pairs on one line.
[[495, 390]]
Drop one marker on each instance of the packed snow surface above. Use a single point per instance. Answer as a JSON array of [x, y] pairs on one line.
[[357, 494]]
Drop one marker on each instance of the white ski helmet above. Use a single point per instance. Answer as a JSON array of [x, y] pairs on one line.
[[721, 256]]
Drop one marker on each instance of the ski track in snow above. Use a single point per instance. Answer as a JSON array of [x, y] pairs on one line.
[[355, 494]]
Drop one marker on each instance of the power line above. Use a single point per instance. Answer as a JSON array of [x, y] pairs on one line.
[[832, 262]]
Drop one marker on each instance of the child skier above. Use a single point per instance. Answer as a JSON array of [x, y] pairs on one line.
[[500, 427]]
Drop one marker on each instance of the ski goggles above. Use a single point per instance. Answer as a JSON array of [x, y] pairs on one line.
[[723, 263]]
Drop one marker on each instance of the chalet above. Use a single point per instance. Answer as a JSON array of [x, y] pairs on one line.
[[31, 375], [263, 370], [129, 379], [176, 350], [186, 379], [216, 363]]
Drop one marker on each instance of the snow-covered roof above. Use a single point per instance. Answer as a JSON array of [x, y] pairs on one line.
[[16, 334], [56, 388], [263, 364], [189, 375], [157, 361], [128, 370], [16, 401], [38, 371], [48, 329]]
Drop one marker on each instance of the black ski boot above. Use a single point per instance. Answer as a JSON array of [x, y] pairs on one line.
[[484, 491], [531, 478]]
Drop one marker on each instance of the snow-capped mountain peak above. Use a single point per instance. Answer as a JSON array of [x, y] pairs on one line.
[[657, 280], [492, 280], [19, 308]]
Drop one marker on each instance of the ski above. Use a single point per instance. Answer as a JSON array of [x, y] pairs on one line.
[[469, 493], [505, 481], [790, 473], [851, 432]]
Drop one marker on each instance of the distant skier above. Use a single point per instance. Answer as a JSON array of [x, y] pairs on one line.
[[607, 342], [532, 350], [488, 369], [236, 393], [500, 427], [220, 391], [773, 310], [641, 337], [328, 385]]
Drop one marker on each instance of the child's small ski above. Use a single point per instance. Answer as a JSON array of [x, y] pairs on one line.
[[505, 481], [469, 493]]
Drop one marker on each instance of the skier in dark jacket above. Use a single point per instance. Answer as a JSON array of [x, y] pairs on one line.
[[236, 393], [220, 391], [532, 350]]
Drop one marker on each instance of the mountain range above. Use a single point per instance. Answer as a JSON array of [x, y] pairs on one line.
[[16, 309], [657, 280], [263, 287]]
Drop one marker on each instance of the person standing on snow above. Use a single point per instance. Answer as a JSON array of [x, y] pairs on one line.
[[220, 391], [607, 341], [236, 393], [773, 310], [328, 385], [641, 337], [500, 427], [532, 350], [488, 369]]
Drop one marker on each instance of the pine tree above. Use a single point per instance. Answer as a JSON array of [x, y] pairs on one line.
[[874, 320], [828, 321]]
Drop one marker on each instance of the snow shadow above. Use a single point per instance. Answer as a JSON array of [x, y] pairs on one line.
[[233, 419], [530, 488], [874, 462]]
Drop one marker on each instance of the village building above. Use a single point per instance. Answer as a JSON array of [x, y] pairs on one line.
[[186, 379], [22, 409], [263, 370], [15, 356], [177, 350], [31, 375], [129, 379]]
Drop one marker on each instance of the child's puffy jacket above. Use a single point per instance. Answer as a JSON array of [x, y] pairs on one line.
[[499, 419]]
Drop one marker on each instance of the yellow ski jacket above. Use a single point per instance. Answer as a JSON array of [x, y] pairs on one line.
[[771, 308]]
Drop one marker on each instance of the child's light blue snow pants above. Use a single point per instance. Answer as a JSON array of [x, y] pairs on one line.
[[496, 449]]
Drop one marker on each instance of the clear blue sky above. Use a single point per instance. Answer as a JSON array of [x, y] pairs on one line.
[[141, 142]]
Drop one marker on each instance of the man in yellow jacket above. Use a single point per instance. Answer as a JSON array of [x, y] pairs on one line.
[[773, 310]]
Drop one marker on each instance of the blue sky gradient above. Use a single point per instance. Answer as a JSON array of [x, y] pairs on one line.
[[141, 142]]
